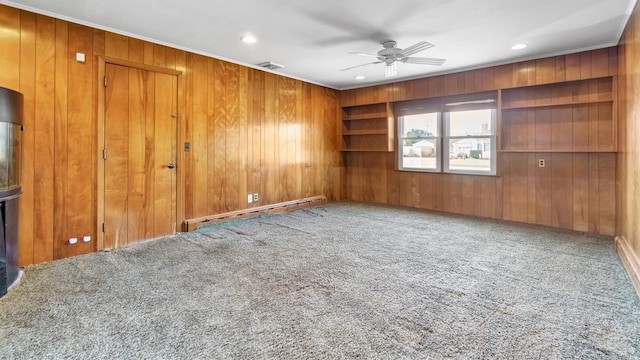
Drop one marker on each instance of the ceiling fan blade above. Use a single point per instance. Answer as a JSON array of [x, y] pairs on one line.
[[362, 54], [424, 61], [415, 48], [357, 66]]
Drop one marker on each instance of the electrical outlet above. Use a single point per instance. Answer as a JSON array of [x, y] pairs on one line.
[[255, 197], [540, 162], [249, 198]]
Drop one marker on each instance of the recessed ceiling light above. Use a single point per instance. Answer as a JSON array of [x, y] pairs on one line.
[[248, 39], [359, 77], [519, 46]]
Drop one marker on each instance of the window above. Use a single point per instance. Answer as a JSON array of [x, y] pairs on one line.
[[448, 137], [420, 141]]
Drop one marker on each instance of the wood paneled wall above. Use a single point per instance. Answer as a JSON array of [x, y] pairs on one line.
[[576, 190], [250, 131], [578, 66], [628, 168]]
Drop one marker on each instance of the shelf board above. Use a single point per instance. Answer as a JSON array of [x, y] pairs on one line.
[[557, 151], [365, 132], [381, 115], [366, 150], [507, 107]]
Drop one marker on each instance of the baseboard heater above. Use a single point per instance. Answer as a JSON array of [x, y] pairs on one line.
[[192, 224]]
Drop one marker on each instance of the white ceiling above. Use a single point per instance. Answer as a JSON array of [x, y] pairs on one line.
[[313, 38]]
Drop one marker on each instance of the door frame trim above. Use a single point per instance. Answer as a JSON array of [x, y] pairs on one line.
[[102, 65]]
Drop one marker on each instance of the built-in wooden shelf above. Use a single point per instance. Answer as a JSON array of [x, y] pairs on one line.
[[368, 128], [570, 103], [382, 115], [556, 151], [361, 150], [365, 132], [574, 117]]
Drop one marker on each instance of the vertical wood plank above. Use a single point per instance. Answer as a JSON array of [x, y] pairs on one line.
[[116, 46], [60, 198], [561, 187], [606, 192], [200, 136], [186, 62], [519, 173], [426, 191], [165, 152], [562, 129], [543, 129], [117, 163], [27, 88], [572, 63], [10, 39], [219, 138], [506, 186], [544, 190], [532, 164], [44, 139], [80, 139], [243, 138], [580, 128], [270, 173], [146, 166], [594, 193], [137, 226], [233, 140], [581, 192], [545, 70], [213, 186]]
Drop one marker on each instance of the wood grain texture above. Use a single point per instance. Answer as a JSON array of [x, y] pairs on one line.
[[571, 117], [235, 119], [628, 161], [27, 88], [115, 192], [80, 145], [61, 166], [559, 109], [140, 140], [262, 107], [44, 139]]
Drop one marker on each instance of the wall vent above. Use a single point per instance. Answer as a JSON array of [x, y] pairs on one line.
[[270, 65]]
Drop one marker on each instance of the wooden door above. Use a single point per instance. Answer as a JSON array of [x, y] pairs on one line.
[[140, 155]]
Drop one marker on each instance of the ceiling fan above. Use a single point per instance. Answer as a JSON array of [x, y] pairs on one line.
[[390, 55]]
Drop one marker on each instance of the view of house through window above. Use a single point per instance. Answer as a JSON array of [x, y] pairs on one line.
[[421, 141], [459, 139]]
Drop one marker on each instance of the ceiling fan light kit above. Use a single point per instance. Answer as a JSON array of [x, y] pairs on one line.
[[391, 54]]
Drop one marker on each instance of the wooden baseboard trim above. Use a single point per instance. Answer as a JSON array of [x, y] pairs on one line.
[[630, 261], [193, 224]]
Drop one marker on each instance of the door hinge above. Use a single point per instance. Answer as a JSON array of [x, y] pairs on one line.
[[104, 228], [105, 81], [104, 154], [175, 116]]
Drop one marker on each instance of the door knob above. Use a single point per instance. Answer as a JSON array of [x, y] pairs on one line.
[[171, 165]]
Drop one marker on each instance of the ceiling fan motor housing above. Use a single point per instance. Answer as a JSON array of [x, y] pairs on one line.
[[390, 53]]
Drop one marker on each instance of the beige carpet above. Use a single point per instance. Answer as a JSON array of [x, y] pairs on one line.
[[344, 280]]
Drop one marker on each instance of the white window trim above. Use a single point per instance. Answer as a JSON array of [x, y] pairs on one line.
[[438, 138], [446, 138], [442, 148]]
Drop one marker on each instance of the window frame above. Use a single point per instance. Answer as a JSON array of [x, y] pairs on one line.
[[443, 107], [437, 137], [446, 148]]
